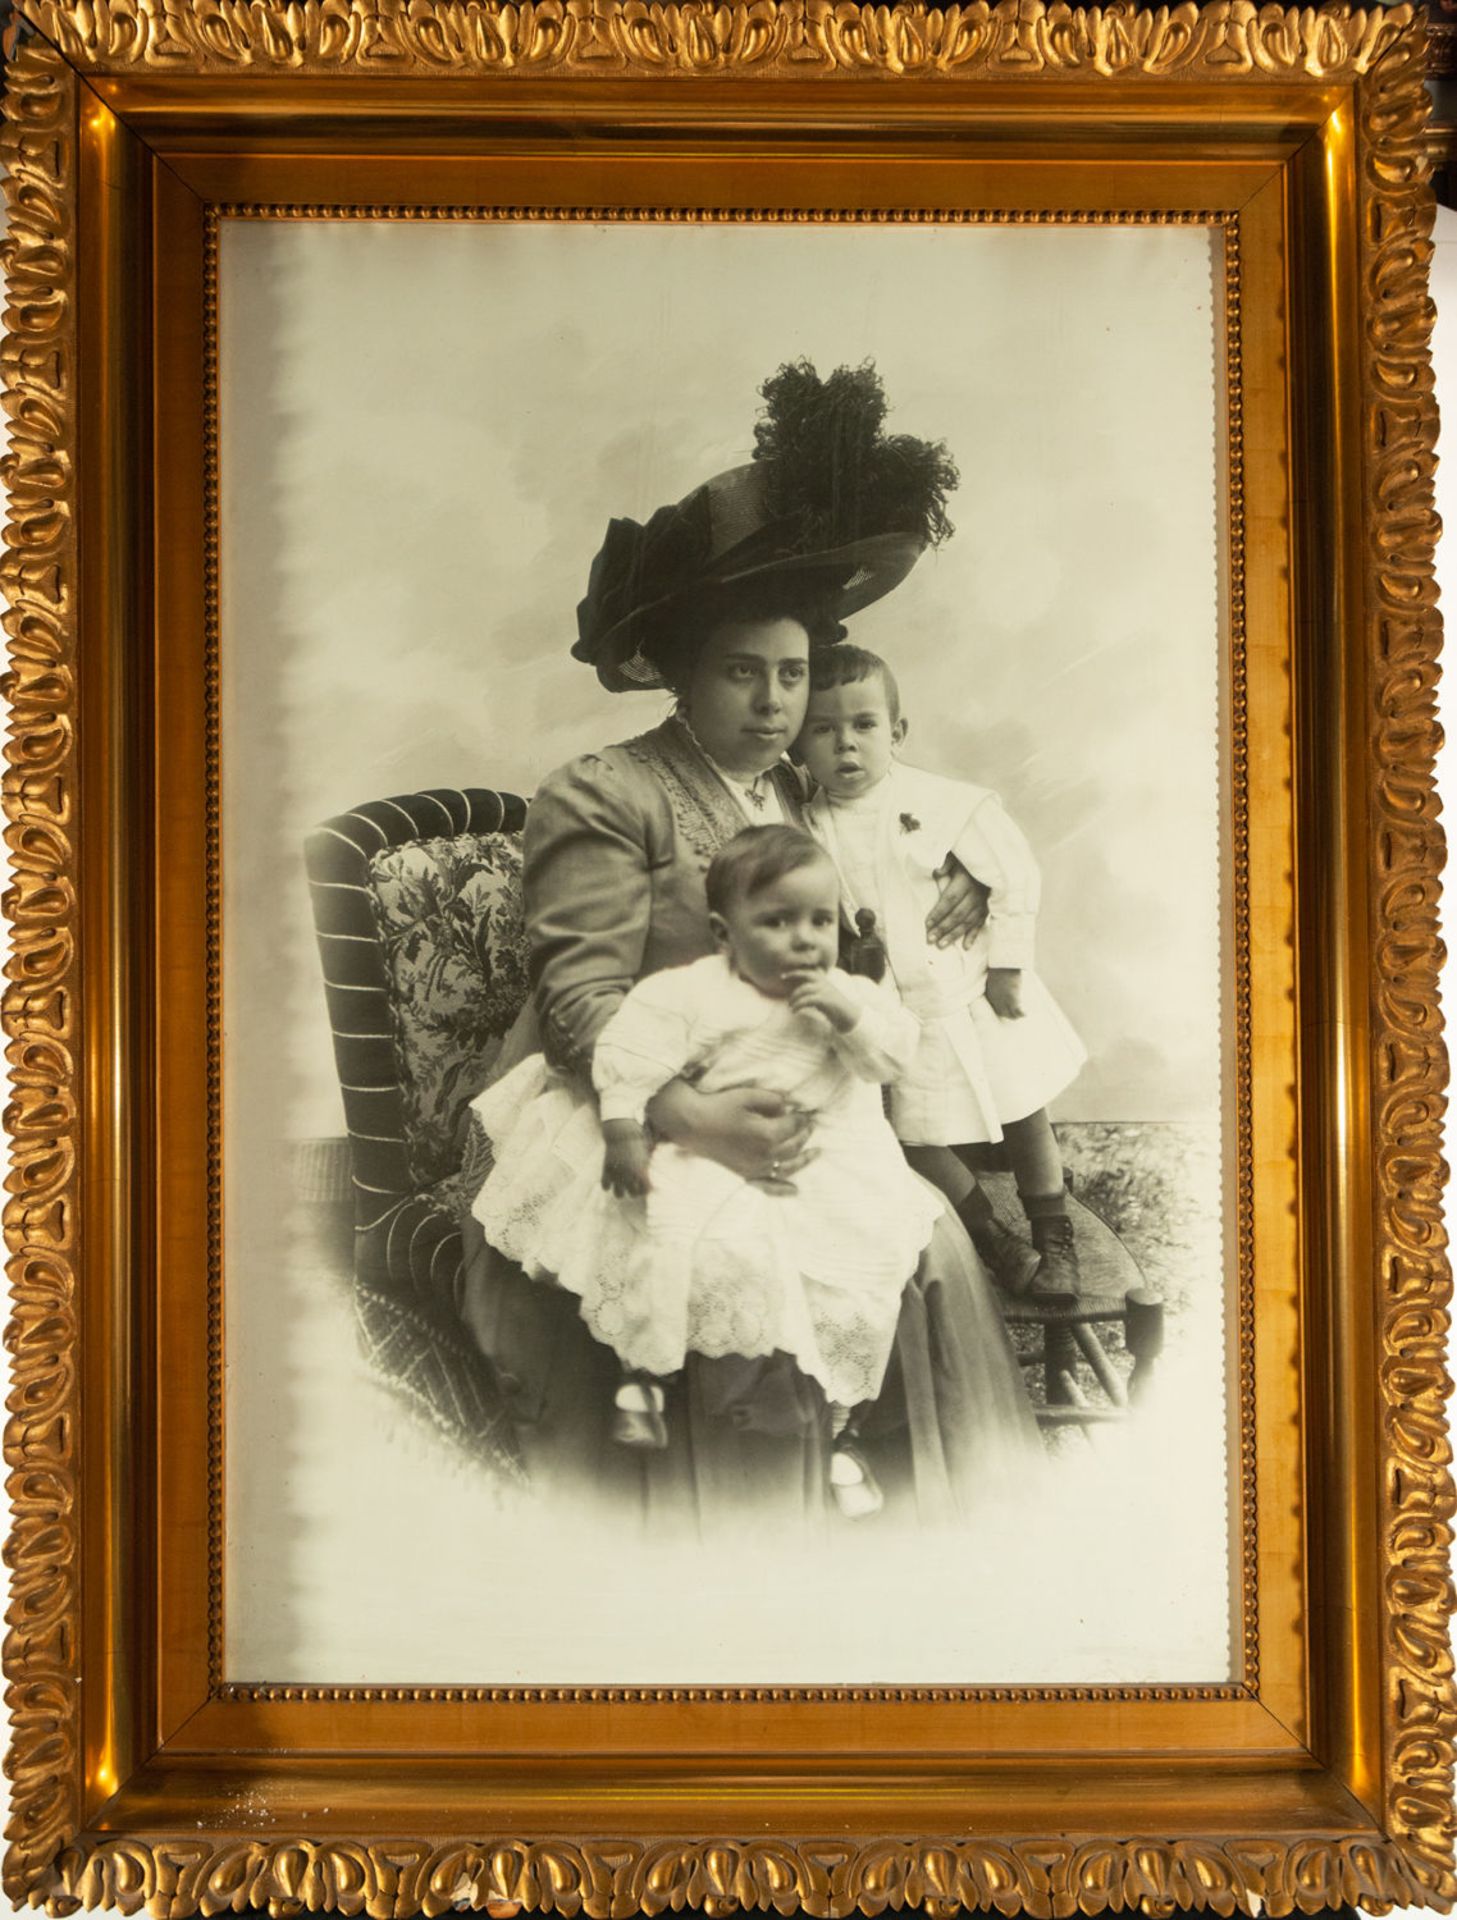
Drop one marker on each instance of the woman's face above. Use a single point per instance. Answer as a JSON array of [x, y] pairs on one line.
[[747, 694]]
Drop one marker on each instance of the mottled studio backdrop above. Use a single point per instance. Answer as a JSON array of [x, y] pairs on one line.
[[429, 428], [426, 428]]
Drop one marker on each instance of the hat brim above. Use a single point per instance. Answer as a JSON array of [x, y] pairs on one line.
[[866, 570]]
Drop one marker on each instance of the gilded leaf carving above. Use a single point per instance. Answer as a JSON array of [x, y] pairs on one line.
[[792, 38], [37, 574], [1409, 1064], [833, 40], [820, 1878]]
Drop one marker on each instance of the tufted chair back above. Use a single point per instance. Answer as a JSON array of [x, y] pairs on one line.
[[417, 907]]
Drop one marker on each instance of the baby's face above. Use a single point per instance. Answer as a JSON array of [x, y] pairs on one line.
[[786, 931], [848, 740]]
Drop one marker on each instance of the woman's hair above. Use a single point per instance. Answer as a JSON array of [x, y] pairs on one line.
[[673, 636], [846, 665], [755, 859]]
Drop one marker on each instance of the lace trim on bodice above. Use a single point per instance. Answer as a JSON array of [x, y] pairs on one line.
[[704, 812]]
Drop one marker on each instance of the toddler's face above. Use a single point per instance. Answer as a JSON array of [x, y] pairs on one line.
[[786, 931], [848, 740]]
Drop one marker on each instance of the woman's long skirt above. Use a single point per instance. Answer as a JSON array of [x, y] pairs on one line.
[[952, 1431]]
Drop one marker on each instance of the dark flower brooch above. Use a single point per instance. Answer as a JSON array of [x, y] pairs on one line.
[[909, 823]]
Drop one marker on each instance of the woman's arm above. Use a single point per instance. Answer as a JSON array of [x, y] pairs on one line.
[[588, 899], [751, 1131]]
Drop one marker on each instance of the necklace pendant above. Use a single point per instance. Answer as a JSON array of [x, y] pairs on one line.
[[757, 796]]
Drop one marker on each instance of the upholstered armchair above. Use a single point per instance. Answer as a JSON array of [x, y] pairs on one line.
[[417, 906]]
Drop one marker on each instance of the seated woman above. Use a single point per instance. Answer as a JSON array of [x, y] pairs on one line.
[[720, 599], [671, 1253]]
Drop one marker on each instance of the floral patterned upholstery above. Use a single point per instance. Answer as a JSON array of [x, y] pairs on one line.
[[449, 918], [417, 908]]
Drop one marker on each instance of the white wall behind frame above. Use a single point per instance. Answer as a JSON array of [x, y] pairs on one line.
[[1445, 353]]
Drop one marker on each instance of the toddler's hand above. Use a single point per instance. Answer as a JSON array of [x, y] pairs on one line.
[[625, 1164], [1004, 992], [817, 993]]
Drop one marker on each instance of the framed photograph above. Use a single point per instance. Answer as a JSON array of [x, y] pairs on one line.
[[723, 1000]]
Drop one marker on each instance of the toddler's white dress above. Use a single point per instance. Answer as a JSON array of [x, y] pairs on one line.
[[973, 1071], [708, 1262]]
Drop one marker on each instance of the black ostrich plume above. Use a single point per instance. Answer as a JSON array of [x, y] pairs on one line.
[[831, 469]]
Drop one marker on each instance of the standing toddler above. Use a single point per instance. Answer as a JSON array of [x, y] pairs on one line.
[[995, 1047]]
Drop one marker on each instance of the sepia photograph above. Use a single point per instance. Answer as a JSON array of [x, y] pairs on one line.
[[729, 1077]]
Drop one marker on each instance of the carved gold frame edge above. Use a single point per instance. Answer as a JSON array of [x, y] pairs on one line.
[[1382, 52], [786, 38], [1396, 214], [38, 574]]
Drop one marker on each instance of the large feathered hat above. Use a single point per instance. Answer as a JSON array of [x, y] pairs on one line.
[[831, 508]]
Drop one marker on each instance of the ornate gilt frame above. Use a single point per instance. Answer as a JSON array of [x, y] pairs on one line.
[[140, 1779]]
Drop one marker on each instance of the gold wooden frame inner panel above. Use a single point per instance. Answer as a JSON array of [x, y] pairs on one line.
[[1324, 1774], [1271, 704]]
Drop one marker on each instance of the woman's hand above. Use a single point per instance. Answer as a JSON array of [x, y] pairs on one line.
[[752, 1131], [960, 913]]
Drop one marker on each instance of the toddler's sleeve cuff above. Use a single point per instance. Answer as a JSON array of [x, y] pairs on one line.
[[1011, 942]]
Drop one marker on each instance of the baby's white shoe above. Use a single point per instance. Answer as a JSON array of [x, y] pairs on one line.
[[637, 1416], [856, 1490]]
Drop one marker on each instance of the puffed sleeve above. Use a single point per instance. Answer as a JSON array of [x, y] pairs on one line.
[[993, 849], [650, 1039], [883, 1041], [588, 900]]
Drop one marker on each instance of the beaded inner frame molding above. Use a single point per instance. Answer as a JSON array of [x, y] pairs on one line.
[[129, 1794]]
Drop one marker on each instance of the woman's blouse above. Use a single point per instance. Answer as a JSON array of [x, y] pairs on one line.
[[616, 847]]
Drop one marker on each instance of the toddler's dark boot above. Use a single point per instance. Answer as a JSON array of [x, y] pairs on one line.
[[1058, 1282], [1011, 1261]]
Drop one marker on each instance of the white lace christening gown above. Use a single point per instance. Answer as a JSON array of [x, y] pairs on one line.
[[708, 1262]]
